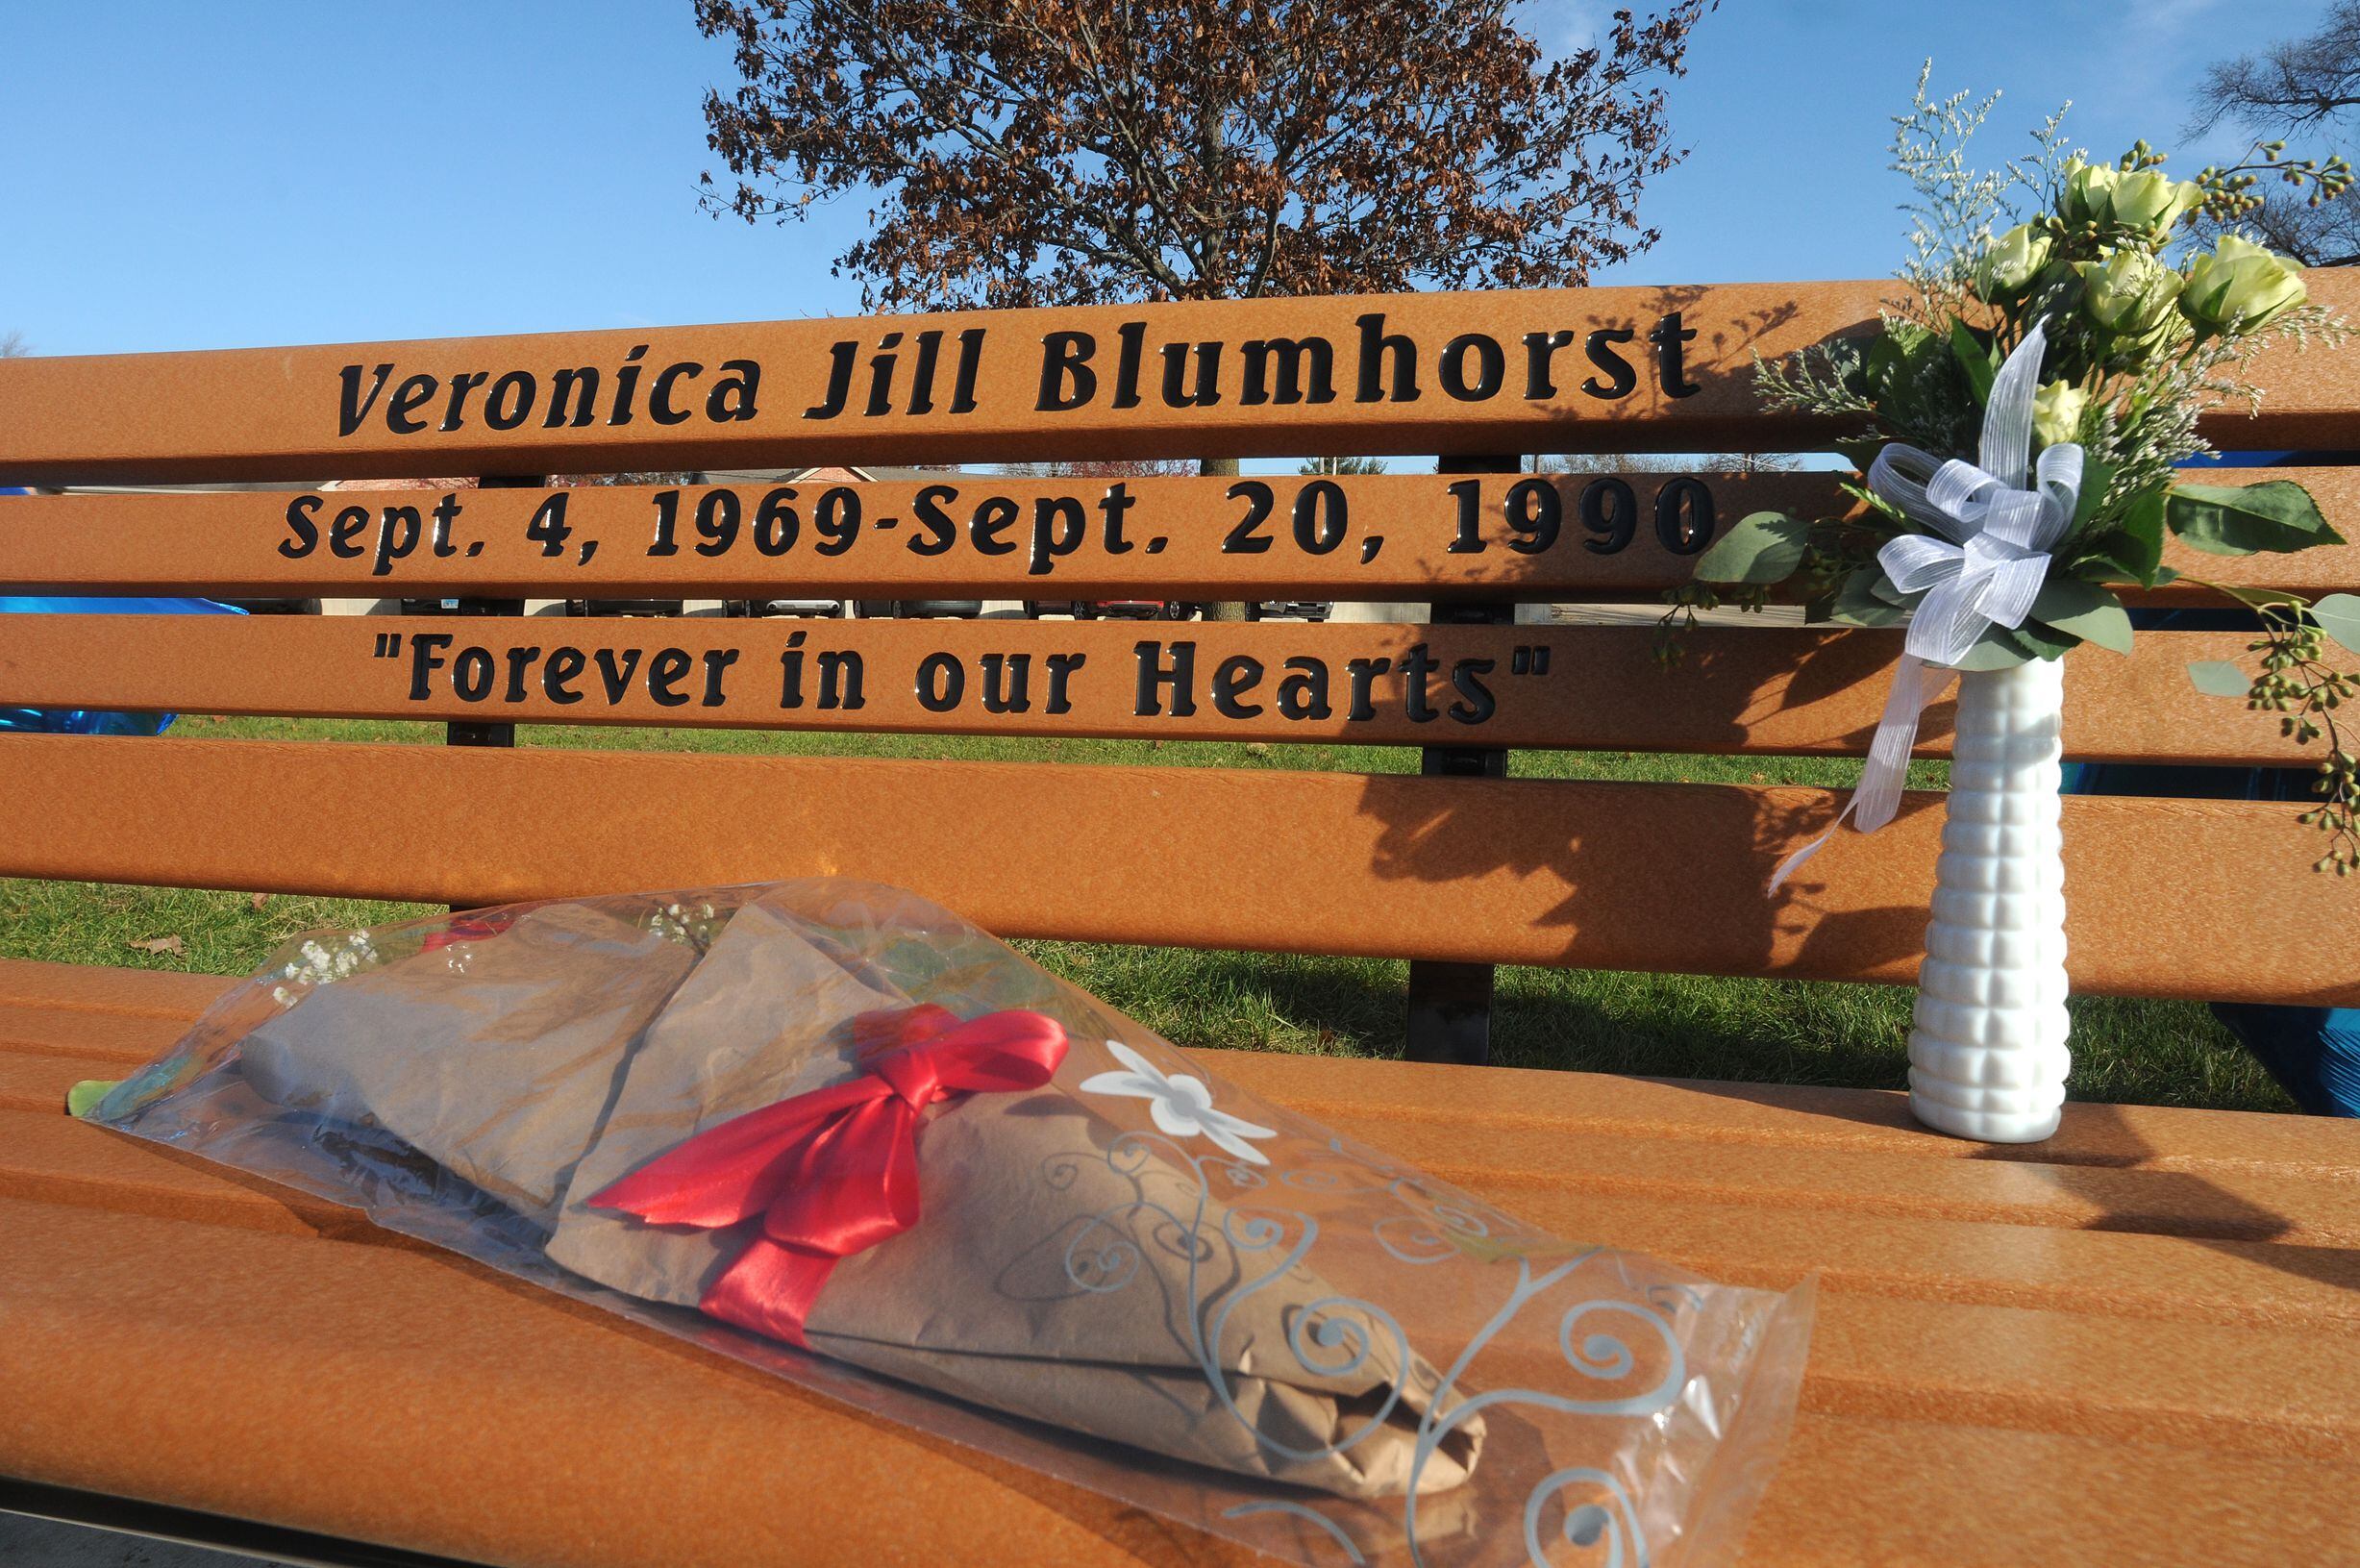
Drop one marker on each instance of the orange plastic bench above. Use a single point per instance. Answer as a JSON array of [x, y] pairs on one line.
[[2135, 1343]]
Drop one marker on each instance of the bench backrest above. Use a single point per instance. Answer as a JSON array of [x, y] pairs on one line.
[[1453, 863]]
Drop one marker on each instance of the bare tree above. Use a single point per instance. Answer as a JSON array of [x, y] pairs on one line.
[[2305, 90], [12, 346], [1331, 466]]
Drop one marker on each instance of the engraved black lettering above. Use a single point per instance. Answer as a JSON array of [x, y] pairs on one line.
[[573, 397], [397, 535], [1478, 704], [1058, 526], [1303, 694], [663, 677], [1180, 677], [1540, 349], [1061, 667], [465, 382], [510, 403], [1376, 344], [942, 681], [1362, 672], [839, 383], [353, 407], [298, 524], [558, 673], [660, 393], [1065, 363], [425, 658], [616, 677], [1490, 367], [1621, 378], [409, 398]]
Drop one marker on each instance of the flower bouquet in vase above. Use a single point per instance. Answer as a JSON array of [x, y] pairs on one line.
[[2023, 415]]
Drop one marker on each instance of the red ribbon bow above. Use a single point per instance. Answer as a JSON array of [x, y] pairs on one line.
[[835, 1171]]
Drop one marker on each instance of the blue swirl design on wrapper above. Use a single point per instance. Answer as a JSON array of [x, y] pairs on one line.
[[1334, 1335]]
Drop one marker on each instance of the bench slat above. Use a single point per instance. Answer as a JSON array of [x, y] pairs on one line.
[[1388, 1095], [1166, 538], [1738, 689], [2068, 1368], [1472, 870], [1725, 1231], [150, 993], [271, 1330], [294, 412]]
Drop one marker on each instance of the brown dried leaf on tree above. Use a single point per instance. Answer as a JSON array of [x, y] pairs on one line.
[[1022, 152]]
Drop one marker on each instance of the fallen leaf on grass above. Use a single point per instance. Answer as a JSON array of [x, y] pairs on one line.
[[256, 901], [159, 944]]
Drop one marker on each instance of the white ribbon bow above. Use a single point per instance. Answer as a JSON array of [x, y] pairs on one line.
[[1981, 566]]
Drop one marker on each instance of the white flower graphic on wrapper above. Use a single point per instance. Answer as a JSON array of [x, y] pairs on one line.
[[1179, 1105]]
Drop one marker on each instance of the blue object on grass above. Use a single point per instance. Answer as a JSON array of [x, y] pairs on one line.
[[91, 721]]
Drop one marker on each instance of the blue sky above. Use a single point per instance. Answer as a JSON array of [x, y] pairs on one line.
[[198, 176]]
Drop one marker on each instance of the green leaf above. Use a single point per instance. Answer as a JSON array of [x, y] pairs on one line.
[[2000, 649], [2132, 550], [1858, 603], [1974, 359], [1764, 548], [2097, 476], [2082, 610], [1885, 589], [86, 1094], [2219, 678], [2278, 516], [2339, 616]]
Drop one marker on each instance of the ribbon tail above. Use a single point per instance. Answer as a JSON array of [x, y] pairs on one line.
[[1788, 866], [770, 1288], [1879, 795]]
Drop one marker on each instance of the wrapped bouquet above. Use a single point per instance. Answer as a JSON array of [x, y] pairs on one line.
[[827, 1125]]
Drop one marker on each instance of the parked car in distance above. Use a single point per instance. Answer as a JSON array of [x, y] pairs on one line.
[[822, 607], [1289, 610], [1112, 610], [921, 610], [624, 607]]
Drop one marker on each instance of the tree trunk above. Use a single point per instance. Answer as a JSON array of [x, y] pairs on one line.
[[1225, 469]]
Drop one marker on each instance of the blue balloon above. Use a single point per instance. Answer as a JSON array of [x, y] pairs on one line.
[[91, 721]]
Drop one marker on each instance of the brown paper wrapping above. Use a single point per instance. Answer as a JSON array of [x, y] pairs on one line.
[[573, 1048], [498, 1059]]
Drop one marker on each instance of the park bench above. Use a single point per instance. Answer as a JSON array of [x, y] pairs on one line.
[[2135, 1343]]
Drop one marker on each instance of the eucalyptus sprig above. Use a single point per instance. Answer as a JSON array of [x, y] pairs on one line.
[[2297, 684]]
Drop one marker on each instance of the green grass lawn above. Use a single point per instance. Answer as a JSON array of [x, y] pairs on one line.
[[1788, 1031]]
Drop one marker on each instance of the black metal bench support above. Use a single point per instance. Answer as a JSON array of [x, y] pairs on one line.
[[468, 732], [1449, 1004]]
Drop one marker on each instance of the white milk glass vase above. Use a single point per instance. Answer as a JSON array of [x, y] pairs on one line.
[[1987, 1053]]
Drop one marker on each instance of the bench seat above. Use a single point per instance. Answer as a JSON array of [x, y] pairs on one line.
[[2138, 1342]]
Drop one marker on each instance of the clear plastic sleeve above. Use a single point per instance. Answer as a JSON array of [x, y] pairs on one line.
[[1291, 1339]]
